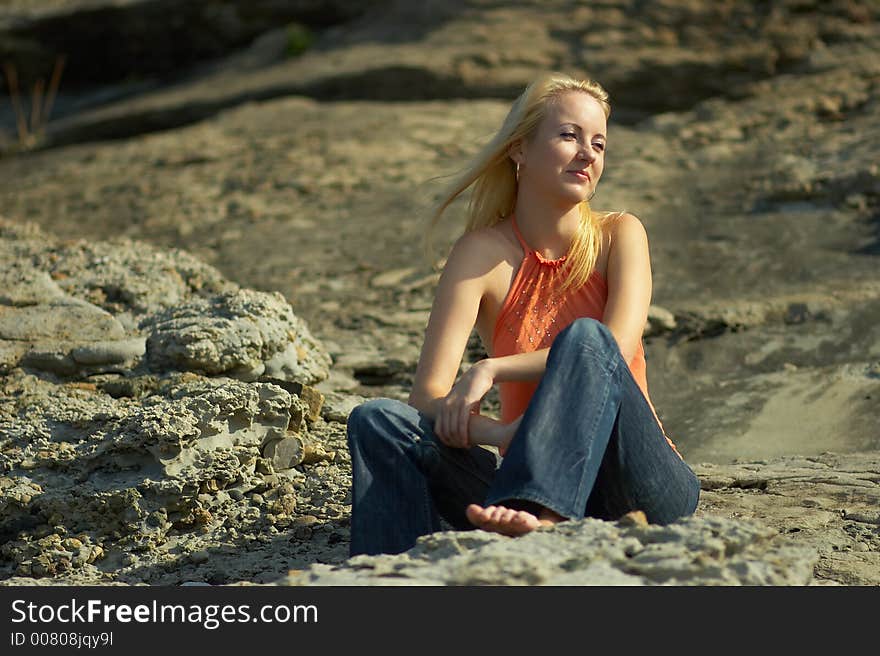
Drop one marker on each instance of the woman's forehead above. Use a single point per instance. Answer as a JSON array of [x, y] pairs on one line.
[[579, 108]]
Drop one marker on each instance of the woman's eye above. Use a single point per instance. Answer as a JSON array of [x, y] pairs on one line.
[[599, 145], [569, 135]]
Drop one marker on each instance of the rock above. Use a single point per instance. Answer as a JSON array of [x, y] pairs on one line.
[[22, 285], [393, 278], [285, 453], [311, 397], [33, 34], [634, 518], [61, 321], [243, 334], [339, 406], [132, 387], [125, 279], [660, 320], [200, 557], [110, 352], [314, 452], [83, 323], [136, 455], [695, 551], [801, 499], [686, 53]]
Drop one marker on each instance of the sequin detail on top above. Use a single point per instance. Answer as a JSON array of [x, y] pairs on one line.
[[533, 314]]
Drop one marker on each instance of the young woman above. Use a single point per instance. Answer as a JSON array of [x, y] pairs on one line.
[[559, 295]]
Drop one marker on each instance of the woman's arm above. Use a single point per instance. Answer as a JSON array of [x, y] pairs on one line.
[[517, 367], [629, 284], [453, 316]]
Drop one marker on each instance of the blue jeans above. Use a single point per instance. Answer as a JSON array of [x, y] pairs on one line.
[[588, 445]]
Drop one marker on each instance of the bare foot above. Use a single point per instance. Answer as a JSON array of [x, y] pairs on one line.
[[508, 521]]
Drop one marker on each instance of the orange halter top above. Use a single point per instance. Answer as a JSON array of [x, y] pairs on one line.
[[531, 317]]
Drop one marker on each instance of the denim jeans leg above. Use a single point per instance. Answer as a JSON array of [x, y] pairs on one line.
[[589, 434], [402, 477], [640, 471]]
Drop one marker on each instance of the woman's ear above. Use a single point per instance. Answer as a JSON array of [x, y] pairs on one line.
[[515, 152]]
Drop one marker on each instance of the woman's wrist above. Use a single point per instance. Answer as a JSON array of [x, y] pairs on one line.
[[488, 367], [482, 430], [528, 366]]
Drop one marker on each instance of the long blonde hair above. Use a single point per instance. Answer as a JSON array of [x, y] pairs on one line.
[[492, 174]]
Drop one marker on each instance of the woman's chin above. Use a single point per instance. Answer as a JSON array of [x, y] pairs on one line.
[[577, 196]]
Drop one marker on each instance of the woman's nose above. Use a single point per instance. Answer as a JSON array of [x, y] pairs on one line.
[[585, 153]]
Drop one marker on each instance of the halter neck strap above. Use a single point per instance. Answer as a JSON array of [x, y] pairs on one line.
[[529, 250], [522, 242]]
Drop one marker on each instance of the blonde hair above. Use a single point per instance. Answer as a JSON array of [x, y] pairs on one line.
[[492, 174]]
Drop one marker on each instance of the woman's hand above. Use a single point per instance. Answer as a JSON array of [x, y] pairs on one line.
[[453, 412]]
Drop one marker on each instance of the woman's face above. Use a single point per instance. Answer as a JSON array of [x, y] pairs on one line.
[[564, 159]]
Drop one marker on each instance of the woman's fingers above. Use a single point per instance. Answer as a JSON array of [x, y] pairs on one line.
[[464, 416], [452, 422], [446, 424]]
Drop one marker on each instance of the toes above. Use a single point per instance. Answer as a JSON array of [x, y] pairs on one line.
[[501, 519], [526, 520], [476, 514], [508, 516], [496, 513]]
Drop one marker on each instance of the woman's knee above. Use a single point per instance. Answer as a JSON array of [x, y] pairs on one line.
[[374, 417], [684, 507], [694, 498], [586, 331]]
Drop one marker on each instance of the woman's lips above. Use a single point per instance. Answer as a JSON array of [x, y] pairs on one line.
[[583, 175]]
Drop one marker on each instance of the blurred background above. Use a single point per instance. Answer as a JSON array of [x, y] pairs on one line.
[[298, 146]]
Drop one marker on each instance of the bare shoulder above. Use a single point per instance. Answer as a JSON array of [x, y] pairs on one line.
[[622, 233], [625, 226], [494, 239], [480, 239], [479, 251]]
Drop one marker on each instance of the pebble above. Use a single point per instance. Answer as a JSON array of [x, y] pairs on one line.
[[200, 557]]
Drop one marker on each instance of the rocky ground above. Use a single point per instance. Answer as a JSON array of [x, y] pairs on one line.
[[744, 136]]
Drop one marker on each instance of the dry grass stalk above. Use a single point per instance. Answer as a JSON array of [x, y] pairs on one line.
[[15, 97], [41, 102], [54, 82]]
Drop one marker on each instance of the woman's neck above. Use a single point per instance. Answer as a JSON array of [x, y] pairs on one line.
[[549, 230]]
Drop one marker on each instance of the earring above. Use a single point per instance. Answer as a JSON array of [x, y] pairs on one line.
[[517, 172]]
